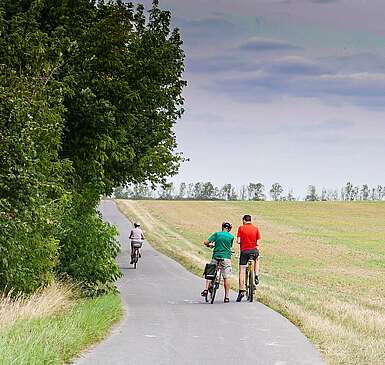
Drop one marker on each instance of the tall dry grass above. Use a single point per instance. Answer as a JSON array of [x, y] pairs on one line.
[[47, 301]]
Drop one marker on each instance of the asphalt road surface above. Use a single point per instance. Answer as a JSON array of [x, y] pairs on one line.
[[167, 322]]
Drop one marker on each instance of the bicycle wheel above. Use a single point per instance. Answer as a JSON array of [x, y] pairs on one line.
[[213, 291], [136, 257], [247, 281], [215, 285], [250, 293]]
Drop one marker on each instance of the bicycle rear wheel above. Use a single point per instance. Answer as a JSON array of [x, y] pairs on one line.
[[136, 257], [215, 285], [213, 291], [250, 288]]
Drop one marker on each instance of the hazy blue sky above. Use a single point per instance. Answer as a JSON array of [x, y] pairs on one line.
[[283, 90]]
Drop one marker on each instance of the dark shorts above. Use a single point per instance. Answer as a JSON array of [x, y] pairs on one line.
[[246, 255], [136, 244]]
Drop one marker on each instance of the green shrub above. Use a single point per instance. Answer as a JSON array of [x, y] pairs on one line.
[[28, 250], [88, 248]]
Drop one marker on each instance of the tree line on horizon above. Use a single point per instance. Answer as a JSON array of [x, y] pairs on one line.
[[250, 192]]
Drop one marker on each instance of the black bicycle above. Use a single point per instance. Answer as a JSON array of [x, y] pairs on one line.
[[214, 283], [135, 254]]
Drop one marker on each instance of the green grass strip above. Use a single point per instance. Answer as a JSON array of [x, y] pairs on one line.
[[59, 338]]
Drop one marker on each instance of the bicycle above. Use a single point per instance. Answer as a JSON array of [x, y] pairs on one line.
[[250, 285], [135, 255], [214, 283]]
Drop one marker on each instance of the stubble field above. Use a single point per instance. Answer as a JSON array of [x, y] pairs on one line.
[[322, 264]]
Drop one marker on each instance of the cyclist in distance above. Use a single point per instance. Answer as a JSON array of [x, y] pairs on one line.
[[136, 236], [248, 237], [222, 242]]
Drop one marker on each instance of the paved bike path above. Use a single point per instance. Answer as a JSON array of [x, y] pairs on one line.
[[167, 323]]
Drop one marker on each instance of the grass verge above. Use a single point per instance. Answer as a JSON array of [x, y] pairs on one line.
[[322, 263], [54, 326]]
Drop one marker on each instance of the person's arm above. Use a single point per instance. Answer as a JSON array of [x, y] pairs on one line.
[[142, 234], [258, 238], [207, 243], [239, 235], [130, 235], [210, 242]]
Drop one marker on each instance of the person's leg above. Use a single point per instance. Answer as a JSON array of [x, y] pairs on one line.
[[242, 286], [256, 266], [226, 273], [256, 270], [227, 287], [242, 274]]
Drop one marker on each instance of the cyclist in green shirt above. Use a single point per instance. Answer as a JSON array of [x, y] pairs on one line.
[[222, 242]]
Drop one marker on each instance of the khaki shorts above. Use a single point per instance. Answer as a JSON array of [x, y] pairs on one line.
[[225, 267]]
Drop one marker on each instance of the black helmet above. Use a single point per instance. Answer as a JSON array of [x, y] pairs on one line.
[[227, 225]]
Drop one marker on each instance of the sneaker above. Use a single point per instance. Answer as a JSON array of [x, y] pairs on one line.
[[256, 280], [241, 294], [226, 300], [204, 293]]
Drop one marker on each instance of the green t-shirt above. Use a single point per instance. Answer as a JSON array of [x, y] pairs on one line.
[[223, 243]]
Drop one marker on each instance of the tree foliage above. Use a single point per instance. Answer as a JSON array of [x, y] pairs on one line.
[[89, 93]]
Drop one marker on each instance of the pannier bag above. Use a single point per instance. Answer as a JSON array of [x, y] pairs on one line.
[[210, 270], [136, 244]]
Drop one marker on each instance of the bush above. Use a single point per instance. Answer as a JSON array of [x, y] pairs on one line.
[[28, 250], [88, 248], [31, 186]]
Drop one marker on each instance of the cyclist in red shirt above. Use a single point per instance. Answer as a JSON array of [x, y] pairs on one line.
[[248, 237]]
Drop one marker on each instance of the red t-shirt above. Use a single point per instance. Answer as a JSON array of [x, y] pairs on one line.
[[249, 236]]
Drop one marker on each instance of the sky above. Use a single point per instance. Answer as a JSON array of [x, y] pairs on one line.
[[288, 91]]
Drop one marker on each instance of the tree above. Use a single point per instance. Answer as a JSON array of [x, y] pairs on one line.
[[182, 191], [365, 192], [120, 193], [89, 94], [256, 191], [32, 191], [380, 192], [373, 194], [208, 191], [243, 193], [166, 191], [190, 191], [324, 195], [233, 194], [197, 192], [228, 192], [311, 193], [140, 191], [290, 195], [276, 191], [126, 97], [348, 194]]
